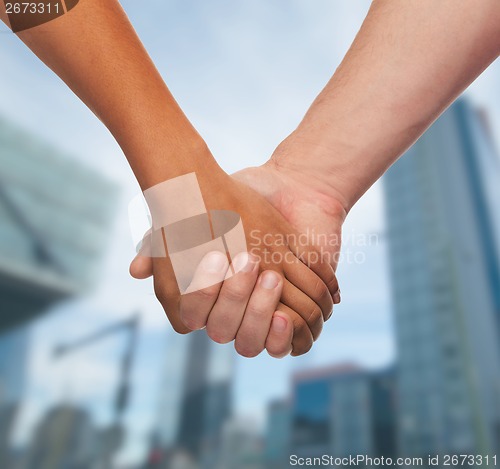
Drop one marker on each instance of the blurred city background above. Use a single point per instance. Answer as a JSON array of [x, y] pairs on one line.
[[91, 374]]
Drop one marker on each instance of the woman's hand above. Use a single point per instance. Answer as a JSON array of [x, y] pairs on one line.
[[294, 289]]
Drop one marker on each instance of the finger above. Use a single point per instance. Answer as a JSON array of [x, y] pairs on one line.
[[337, 298], [279, 339], [312, 258], [309, 311], [302, 338], [227, 313], [309, 283], [195, 306], [141, 267], [252, 334]]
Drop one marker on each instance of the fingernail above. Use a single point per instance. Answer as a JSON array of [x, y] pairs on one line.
[[329, 315], [336, 298], [243, 263], [270, 280], [214, 262], [278, 324]]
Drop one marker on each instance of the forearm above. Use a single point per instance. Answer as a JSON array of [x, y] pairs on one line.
[[95, 50], [409, 61]]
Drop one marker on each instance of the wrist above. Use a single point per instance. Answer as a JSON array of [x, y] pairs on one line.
[[311, 161], [159, 160]]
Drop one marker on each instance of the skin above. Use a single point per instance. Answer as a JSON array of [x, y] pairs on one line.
[[114, 76], [408, 63], [233, 298]]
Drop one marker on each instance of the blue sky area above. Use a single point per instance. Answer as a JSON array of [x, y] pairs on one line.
[[245, 73]]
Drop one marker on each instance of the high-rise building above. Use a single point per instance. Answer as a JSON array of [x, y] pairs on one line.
[[55, 216], [54, 221], [195, 397], [443, 247], [171, 391], [14, 347], [277, 437], [13, 356], [241, 445], [65, 438], [343, 411]]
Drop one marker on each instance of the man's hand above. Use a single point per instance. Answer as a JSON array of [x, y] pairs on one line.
[[231, 309], [303, 202]]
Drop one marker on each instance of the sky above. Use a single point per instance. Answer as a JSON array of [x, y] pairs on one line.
[[244, 72]]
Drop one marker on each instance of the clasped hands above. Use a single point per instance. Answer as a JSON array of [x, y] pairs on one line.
[[283, 291]]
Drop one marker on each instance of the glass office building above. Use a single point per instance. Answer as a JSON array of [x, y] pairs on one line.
[[64, 438], [195, 397], [311, 413], [13, 357], [14, 346], [443, 247], [277, 438], [54, 223], [343, 411]]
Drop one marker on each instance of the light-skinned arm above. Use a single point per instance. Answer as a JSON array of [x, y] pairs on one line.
[[410, 60], [95, 50]]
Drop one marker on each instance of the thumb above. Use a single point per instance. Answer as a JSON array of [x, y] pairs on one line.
[[141, 267]]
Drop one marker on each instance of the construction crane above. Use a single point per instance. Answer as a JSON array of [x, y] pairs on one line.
[[130, 326]]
